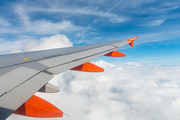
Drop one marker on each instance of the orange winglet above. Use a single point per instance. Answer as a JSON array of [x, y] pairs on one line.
[[131, 41], [115, 54], [88, 67], [38, 107]]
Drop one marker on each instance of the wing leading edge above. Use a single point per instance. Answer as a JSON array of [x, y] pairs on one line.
[[23, 74]]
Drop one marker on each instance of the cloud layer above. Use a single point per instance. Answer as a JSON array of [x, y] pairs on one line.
[[126, 91]]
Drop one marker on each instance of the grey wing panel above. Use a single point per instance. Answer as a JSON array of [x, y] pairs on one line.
[[14, 78]]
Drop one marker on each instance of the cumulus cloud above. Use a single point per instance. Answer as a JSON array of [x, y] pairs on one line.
[[124, 91], [56, 41], [103, 64], [176, 103], [133, 64], [30, 44], [132, 92]]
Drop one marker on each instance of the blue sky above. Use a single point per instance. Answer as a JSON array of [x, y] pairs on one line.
[[155, 22]]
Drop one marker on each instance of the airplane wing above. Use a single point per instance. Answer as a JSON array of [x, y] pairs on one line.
[[23, 74]]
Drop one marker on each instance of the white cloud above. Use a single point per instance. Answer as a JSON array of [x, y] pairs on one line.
[[15, 51], [30, 44], [56, 41], [102, 63], [176, 103], [133, 64], [135, 92]]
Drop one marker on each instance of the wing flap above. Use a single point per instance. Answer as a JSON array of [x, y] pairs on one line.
[[14, 78]]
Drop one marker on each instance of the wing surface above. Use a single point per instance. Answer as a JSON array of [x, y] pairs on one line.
[[23, 74]]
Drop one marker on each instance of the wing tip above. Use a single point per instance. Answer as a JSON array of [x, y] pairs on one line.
[[131, 41]]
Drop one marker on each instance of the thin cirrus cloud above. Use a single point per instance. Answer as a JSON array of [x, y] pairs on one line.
[[4, 22], [83, 11], [41, 26], [154, 22], [149, 7]]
